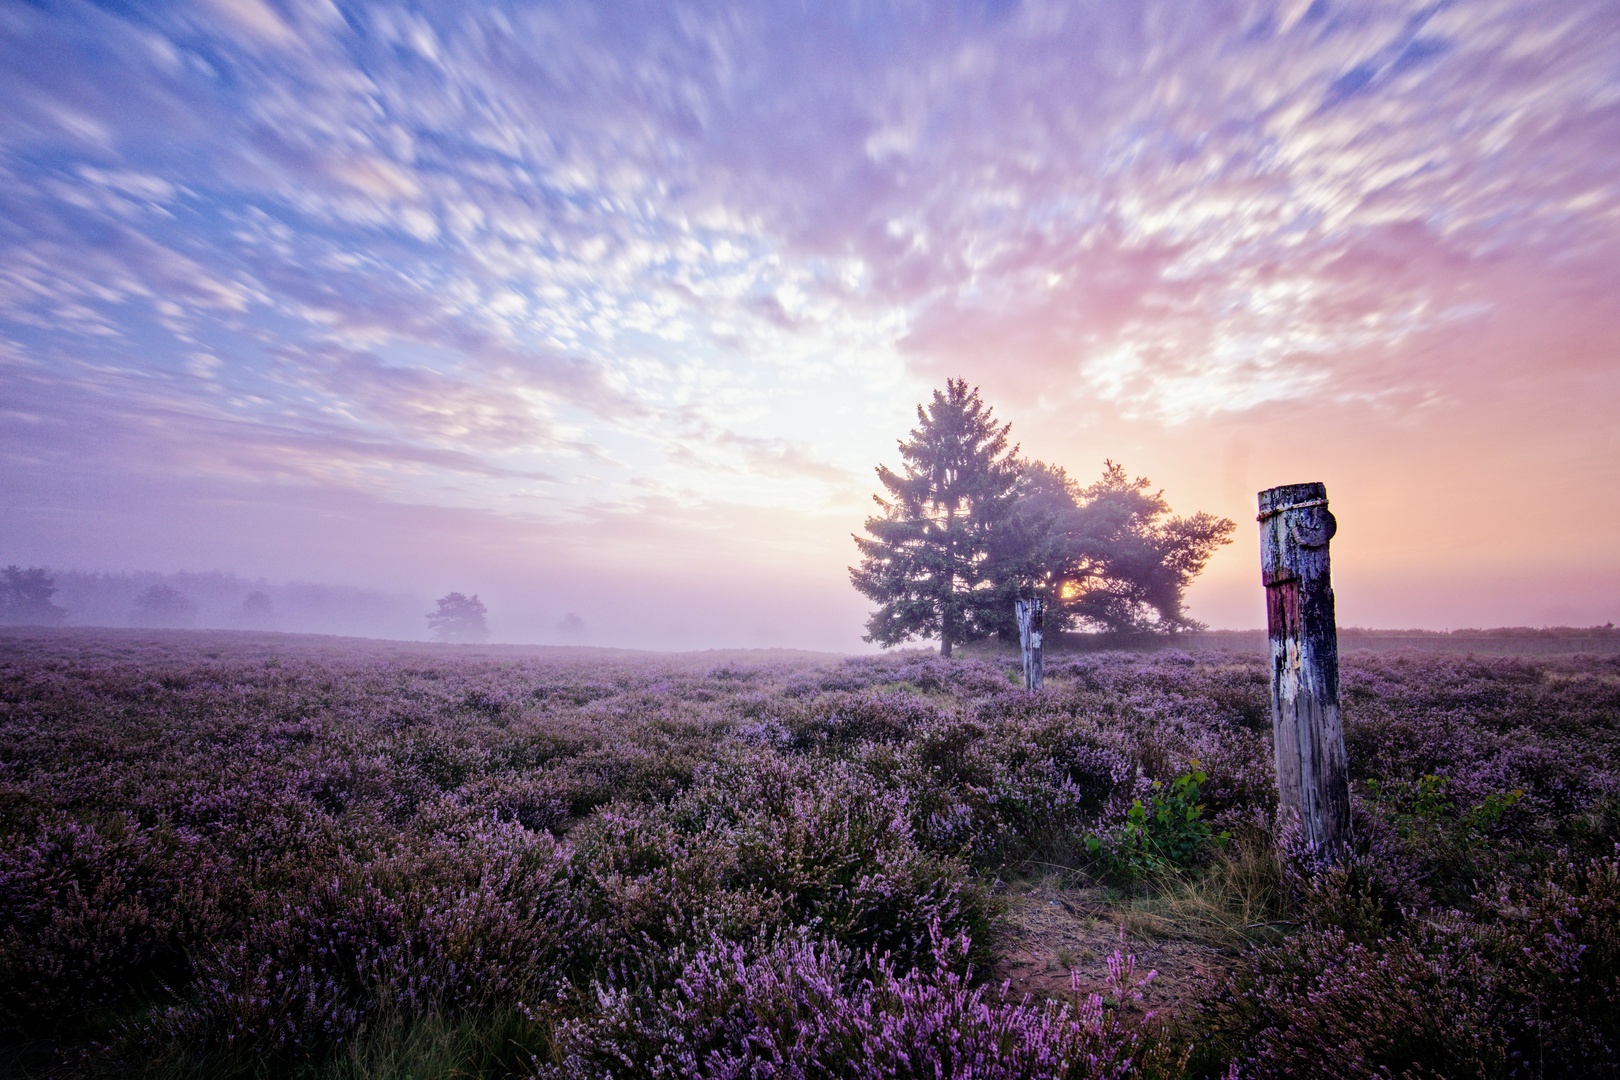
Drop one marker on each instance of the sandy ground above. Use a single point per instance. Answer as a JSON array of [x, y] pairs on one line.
[[1061, 934]]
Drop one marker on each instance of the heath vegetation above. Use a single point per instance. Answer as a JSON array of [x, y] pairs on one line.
[[239, 855]]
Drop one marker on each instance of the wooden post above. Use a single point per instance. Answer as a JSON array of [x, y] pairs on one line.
[[1031, 616], [1312, 776]]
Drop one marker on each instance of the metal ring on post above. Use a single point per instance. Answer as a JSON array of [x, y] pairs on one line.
[[1307, 504]]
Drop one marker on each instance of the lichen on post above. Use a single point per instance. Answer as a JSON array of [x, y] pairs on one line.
[[1312, 776], [1031, 617]]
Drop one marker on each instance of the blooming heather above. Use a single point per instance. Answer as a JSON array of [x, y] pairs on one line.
[[259, 847]]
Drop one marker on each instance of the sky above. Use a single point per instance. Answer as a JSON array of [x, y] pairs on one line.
[[612, 308]]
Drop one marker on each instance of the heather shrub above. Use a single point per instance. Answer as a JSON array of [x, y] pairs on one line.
[[800, 1008], [999, 792], [1557, 936], [254, 853], [1419, 1006], [867, 716], [89, 909], [1522, 984], [1368, 894], [429, 928], [763, 840]]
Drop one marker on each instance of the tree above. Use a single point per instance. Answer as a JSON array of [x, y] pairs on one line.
[[1026, 552], [459, 618], [163, 605], [925, 560], [25, 598], [258, 610], [1104, 555]]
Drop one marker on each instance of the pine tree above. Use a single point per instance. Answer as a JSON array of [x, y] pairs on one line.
[[925, 561], [1027, 553]]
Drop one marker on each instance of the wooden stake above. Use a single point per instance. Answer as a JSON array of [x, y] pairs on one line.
[[1031, 616], [1312, 776]]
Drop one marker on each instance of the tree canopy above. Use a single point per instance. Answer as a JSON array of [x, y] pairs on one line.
[[967, 528], [25, 598], [163, 605], [1109, 556], [257, 611], [459, 618]]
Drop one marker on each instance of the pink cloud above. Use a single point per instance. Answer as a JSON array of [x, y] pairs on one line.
[[1374, 244]]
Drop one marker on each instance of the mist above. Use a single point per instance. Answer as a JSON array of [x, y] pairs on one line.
[[708, 616], [606, 313]]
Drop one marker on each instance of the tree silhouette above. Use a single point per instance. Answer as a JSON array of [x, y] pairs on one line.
[[926, 560], [257, 610], [25, 598], [968, 528], [163, 605], [1105, 556], [459, 618]]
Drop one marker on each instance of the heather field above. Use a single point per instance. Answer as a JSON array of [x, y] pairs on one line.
[[271, 855]]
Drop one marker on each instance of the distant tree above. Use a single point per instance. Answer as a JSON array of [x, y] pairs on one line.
[[163, 605], [257, 609], [571, 626], [925, 561], [1103, 556], [459, 618], [25, 598]]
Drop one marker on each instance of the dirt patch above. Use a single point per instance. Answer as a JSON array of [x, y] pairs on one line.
[[1060, 940]]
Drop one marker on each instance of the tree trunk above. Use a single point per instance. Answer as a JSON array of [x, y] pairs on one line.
[[1031, 615], [947, 602], [1312, 774]]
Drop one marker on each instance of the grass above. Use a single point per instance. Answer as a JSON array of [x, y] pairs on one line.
[[499, 1045], [1235, 900], [502, 1044]]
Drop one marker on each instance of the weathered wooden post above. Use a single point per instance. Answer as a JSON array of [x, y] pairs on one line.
[[1312, 776], [1031, 615]]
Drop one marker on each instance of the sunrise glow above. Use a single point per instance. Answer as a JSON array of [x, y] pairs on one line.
[[612, 309]]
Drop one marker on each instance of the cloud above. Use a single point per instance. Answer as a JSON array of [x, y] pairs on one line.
[[574, 257], [420, 402], [256, 19], [126, 422], [1230, 204], [710, 449]]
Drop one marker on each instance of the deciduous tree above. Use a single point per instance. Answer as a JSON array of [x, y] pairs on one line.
[[1104, 556], [25, 598], [459, 618], [257, 611], [163, 605]]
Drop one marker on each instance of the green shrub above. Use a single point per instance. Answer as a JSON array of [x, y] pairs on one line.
[[1168, 831]]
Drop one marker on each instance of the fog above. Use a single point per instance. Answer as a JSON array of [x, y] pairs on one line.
[[724, 613], [606, 312], [704, 618], [218, 600]]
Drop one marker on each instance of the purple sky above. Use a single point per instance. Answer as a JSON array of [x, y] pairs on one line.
[[612, 308]]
